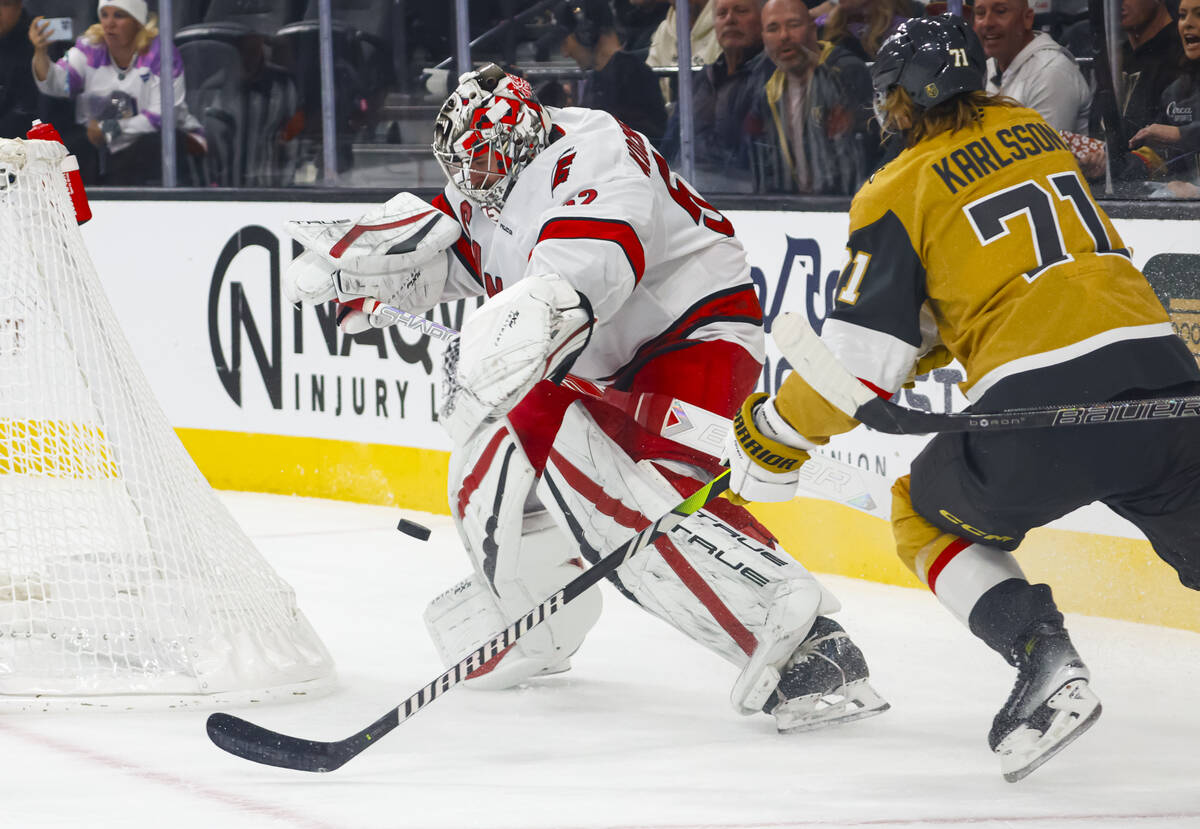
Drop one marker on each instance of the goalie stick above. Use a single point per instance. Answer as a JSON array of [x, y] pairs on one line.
[[825, 373], [689, 425], [261, 745]]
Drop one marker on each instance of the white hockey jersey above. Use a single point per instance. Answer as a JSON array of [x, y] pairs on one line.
[[600, 208]]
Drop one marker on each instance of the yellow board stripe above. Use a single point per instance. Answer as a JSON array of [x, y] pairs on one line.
[[1098, 575], [55, 449], [344, 470]]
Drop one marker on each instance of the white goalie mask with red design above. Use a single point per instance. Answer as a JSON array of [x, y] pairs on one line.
[[487, 131]]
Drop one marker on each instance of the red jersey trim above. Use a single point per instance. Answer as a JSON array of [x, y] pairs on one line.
[[738, 304], [608, 230], [884, 393]]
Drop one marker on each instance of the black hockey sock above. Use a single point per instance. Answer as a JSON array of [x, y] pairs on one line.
[[1004, 613]]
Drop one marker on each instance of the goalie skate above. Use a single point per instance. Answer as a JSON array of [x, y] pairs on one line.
[[1051, 704], [825, 682]]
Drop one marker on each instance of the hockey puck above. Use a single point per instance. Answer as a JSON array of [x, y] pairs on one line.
[[414, 529]]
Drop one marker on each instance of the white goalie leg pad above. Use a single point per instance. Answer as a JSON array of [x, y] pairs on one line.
[[529, 332], [520, 558], [465, 616], [748, 602]]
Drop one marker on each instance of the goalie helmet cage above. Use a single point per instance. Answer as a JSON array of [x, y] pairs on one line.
[[124, 582]]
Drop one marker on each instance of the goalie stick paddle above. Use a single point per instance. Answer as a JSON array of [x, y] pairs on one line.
[[253, 742], [692, 426]]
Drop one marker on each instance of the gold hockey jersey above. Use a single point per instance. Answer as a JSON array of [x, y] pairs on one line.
[[987, 241]]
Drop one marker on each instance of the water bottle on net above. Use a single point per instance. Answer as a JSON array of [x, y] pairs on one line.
[[70, 170]]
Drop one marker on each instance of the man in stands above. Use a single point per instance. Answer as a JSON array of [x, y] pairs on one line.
[[1151, 58], [615, 81], [1030, 67], [595, 259], [723, 97], [812, 112]]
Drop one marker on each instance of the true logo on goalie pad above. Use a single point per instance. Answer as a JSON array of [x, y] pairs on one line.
[[688, 538]]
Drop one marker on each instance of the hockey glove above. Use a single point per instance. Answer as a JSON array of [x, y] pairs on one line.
[[764, 453], [528, 332], [403, 233], [311, 280], [935, 358]]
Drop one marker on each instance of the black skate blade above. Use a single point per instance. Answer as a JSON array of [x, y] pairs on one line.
[[1025, 771]]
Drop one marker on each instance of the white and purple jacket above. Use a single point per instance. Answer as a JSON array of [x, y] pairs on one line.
[[88, 74]]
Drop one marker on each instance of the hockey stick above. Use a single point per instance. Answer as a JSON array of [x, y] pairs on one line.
[[825, 373], [691, 426], [261, 745]]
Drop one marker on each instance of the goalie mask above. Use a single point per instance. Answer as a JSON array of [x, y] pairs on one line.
[[487, 131], [932, 58]]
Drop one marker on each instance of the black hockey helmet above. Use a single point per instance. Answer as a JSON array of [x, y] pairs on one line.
[[932, 58]]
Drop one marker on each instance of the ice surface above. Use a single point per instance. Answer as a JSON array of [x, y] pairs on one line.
[[639, 735]]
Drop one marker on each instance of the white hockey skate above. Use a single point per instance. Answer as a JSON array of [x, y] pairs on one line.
[[825, 682], [1050, 705]]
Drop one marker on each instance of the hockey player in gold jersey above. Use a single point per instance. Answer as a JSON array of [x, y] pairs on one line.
[[981, 242]]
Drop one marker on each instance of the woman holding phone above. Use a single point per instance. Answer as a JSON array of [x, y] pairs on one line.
[[113, 73]]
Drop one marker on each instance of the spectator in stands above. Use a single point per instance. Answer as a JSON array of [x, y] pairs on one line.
[[812, 111], [723, 97], [275, 117], [1170, 147], [664, 48], [18, 95], [614, 80], [1029, 66], [637, 21], [113, 73], [862, 25], [1150, 60]]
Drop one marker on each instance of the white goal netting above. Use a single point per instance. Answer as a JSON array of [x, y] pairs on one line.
[[121, 573]]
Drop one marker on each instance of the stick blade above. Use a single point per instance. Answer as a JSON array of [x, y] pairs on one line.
[[253, 742]]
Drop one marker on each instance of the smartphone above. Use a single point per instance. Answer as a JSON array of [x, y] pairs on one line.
[[60, 28]]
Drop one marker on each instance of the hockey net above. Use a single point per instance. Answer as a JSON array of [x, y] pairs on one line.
[[123, 579]]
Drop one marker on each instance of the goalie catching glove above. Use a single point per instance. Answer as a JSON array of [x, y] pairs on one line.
[[528, 332], [395, 254], [764, 452], [311, 280], [403, 232]]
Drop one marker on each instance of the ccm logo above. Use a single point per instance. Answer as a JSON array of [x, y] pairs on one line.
[[975, 531], [759, 452]]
